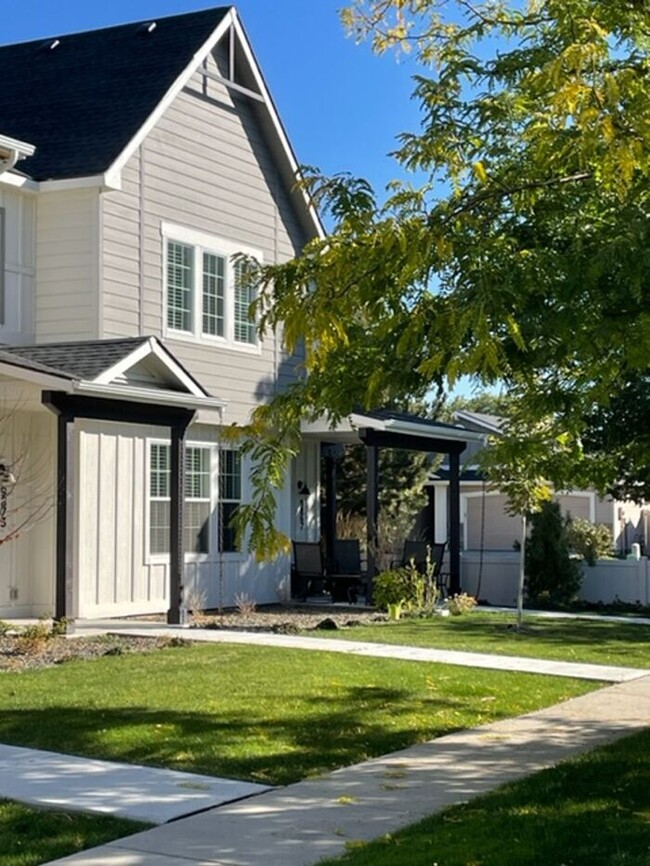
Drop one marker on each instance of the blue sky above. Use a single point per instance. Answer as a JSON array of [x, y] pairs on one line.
[[343, 107]]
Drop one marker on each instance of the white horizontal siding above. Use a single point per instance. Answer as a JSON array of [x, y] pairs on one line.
[[20, 216], [205, 166], [67, 266]]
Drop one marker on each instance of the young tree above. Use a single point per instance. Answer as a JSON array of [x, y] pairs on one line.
[[551, 575], [523, 256]]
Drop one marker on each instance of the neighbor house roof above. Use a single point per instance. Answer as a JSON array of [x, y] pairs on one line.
[[489, 423], [81, 98]]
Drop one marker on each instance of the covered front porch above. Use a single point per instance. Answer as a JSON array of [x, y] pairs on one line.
[[377, 430]]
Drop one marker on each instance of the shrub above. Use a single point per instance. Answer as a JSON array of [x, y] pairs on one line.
[[590, 540], [406, 588], [458, 605], [391, 587], [551, 575]]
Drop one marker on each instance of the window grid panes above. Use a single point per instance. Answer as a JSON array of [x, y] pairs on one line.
[[180, 280], [197, 500], [196, 534], [245, 329], [214, 281]]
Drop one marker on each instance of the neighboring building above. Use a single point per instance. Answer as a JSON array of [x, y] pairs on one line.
[[487, 526], [135, 161]]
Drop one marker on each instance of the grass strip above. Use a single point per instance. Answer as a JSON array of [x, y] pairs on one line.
[[567, 640], [590, 811], [29, 836], [257, 713]]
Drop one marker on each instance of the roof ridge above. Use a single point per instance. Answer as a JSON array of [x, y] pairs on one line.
[[124, 24]]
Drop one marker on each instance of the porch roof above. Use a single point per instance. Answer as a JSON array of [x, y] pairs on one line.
[[392, 429], [135, 369]]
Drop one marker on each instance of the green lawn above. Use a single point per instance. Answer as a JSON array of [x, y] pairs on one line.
[[29, 836], [571, 640], [262, 714], [592, 811]]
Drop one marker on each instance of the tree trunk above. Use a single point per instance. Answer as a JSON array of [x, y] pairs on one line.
[[522, 574]]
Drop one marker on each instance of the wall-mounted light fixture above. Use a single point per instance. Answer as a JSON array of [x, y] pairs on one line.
[[303, 493]]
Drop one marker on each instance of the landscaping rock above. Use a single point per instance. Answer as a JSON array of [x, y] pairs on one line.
[[327, 624]]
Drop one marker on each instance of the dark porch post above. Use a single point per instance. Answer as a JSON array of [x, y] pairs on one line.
[[454, 523], [64, 576], [330, 453], [176, 507], [372, 515]]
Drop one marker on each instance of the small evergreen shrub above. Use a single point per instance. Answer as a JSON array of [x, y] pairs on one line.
[[552, 577]]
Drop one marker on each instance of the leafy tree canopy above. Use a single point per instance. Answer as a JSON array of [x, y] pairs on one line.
[[523, 254]]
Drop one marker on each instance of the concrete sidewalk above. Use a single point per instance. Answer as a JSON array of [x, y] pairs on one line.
[[151, 794], [600, 673], [300, 824]]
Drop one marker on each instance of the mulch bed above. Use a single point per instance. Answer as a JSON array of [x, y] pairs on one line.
[[35, 647]]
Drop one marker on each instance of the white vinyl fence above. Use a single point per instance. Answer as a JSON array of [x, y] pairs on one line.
[[608, 581]]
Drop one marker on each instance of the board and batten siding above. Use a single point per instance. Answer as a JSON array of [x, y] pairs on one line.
[[68, 244], [204, 167], [17, 221], [27, 441], [116, 574]]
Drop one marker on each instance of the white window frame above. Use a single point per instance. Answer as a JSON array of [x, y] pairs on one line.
[[201, 244], [212, 554]]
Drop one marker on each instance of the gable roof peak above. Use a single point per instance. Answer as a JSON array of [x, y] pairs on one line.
[[52, 87]]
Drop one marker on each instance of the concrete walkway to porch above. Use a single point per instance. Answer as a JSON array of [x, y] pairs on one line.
[[601, 673]]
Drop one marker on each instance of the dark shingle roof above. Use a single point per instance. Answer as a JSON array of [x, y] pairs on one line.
[[79, 360], [83, 101], [407, 417]]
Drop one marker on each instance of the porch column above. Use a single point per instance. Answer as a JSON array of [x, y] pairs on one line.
[[175, 614], [440, 514], [330, 454], [372, 514], [454, 523], [64, 519]]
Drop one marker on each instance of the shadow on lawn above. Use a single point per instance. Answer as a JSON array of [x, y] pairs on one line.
[[616, 636], [359, 723]]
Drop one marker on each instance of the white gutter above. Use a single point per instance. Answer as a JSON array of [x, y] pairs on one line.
[[135, 394], [35, 377], [107, 182], [429, 431], [11, 150]]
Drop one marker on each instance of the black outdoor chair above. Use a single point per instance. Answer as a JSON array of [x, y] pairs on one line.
[[309, 568], [346, 578]]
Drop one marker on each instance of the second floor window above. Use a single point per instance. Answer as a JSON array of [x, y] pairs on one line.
[[206, 292]]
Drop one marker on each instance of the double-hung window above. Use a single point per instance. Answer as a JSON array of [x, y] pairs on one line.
[[207, 511], [207, 295]]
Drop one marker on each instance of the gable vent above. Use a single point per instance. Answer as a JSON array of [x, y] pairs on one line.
[[148, 27], [50, 45]]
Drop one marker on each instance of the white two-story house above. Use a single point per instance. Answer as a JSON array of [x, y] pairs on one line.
[[135, 161]]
